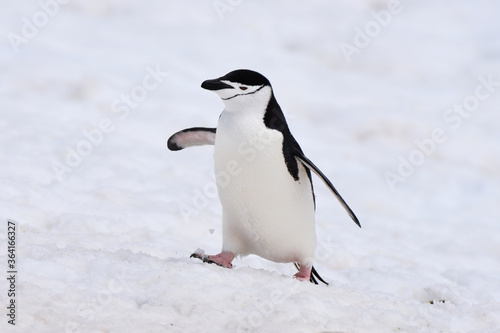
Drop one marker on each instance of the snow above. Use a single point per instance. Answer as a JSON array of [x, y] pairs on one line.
[[104, 244]]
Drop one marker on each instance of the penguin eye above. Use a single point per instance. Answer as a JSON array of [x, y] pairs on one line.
[[243, 88]]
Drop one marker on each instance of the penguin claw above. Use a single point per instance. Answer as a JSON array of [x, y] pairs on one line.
[[222, 259], [200, 256], [205, 258]]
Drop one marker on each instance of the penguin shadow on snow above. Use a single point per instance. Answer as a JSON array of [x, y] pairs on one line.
[[267, 196]]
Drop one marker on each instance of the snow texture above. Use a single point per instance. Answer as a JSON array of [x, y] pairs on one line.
[[397, 105]]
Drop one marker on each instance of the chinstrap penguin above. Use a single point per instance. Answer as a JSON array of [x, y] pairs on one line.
[[267, 199]]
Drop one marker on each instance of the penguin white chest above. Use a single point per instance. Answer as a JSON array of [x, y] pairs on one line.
[[265, 211]]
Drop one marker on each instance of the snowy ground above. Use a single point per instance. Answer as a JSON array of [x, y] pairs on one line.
[[107, 216]]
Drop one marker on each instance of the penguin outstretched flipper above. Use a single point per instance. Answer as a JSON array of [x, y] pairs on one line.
[[195, 136], [310, 165]]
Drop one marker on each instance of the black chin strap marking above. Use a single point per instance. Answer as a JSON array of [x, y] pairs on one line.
[[225, 99]]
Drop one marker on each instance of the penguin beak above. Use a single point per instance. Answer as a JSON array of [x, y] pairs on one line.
[[215, 84]]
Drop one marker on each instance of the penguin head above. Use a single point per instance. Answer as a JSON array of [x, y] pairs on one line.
[[241, 89]]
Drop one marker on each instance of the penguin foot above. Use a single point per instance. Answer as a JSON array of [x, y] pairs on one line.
[[222, 259], [308, 274], [304, 273]]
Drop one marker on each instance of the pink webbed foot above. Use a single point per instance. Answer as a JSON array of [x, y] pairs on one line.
[[222, 259], [308, 273], [304, 273]]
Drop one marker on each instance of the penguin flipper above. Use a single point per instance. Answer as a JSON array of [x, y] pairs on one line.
[[195, 136], [310, 165]]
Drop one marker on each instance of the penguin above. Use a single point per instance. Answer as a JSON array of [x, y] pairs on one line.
[[263, 178]]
